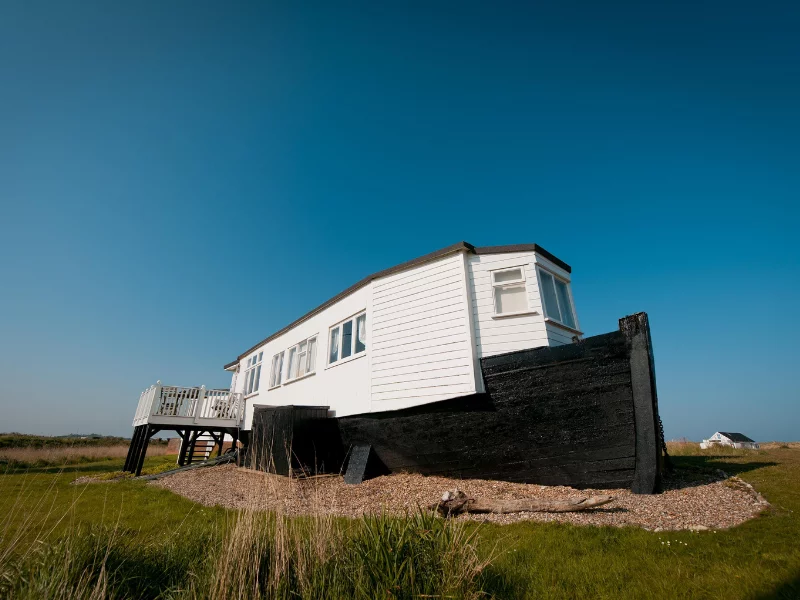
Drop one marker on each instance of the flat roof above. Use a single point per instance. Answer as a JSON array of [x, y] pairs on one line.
[[459, 247]]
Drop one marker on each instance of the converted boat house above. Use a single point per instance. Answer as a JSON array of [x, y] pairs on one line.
[[364, 372]]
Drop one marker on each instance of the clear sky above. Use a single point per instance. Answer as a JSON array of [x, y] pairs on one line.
[[180, 179]]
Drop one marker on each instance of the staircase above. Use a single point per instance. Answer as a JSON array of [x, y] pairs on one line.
[[202, 449]]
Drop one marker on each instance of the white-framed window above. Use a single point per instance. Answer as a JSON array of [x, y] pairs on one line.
[[348, 338], [302, 359], [252, 373], [509, 293], [557, 299], [276, 371]]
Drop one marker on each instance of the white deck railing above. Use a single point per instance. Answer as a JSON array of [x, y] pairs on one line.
[[168, 404]]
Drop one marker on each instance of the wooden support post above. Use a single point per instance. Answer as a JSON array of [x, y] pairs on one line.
[[648, 462], [235, 446], [184, 446], [143, 449], [221, 441], [129, 459], [192, 444]]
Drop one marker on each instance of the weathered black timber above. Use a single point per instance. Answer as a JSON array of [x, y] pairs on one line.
[[294, 438], [583, 415], [649, 460], [363, 464]]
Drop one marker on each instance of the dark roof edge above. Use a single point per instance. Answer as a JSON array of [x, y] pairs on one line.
[[523, 248], [459, 247]]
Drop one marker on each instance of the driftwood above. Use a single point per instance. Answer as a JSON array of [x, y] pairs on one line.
[[457, 502]]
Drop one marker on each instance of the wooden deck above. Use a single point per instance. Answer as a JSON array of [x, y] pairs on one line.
[[170, 407]]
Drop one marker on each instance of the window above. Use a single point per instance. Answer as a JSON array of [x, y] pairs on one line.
[[509, 292], [252, 374], [348, 339], [302, 359], [276, 370], [557, 302]]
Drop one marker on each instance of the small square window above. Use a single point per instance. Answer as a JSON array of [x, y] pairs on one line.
[[509, 291]]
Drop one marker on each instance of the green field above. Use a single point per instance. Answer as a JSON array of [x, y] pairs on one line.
[[158, 544]]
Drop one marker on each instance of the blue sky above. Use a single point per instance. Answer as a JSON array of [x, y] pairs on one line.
[[178, 180]]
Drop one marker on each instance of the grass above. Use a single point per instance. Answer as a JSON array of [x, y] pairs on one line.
[[128, 539], [20, 451], [20, 458]]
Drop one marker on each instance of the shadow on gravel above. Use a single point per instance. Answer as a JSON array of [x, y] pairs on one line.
[[692, 471]]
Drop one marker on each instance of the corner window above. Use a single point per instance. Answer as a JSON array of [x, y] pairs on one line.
[[302, 359], [252, 374], [348, 338], [557, 300], [509, 292], [276, 370]]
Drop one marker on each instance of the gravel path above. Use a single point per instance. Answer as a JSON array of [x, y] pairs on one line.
[[692, 501]]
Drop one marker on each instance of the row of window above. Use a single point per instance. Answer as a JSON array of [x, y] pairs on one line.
[[346, 339], [510, 295], [349, 338]]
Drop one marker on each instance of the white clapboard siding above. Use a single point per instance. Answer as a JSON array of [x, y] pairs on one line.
[[420, 341], [558, 336], [507, 334]]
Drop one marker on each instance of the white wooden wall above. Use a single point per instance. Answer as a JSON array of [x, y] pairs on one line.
[[343, 386], [496, 335], [427, 327], [421, 343]]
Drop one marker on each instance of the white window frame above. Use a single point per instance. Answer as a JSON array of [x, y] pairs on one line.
[[353, 354], [276, 375], [521, 282], [252, 374], [568, 284], [306, 357]]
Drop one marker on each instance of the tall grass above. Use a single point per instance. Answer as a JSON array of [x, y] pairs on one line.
[[24, 457], [253, 555]]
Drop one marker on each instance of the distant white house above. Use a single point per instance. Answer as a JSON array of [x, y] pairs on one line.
[[734, 440]]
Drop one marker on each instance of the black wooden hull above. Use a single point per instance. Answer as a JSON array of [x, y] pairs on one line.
[[583, 415]]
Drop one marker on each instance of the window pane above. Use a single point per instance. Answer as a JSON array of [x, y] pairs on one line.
[[347, 339], [260, 354], [512, 275], [549, 295], [334, 348], [510, 299], [280, 369], [292, 363], [564, 303], [248, 382], [257, 378], [312, 351], [301, 359], [361, 333]]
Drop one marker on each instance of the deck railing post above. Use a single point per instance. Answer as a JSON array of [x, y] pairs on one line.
[[201, 397], [156, 401]]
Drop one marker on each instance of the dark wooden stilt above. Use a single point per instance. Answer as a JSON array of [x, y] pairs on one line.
[[184, 447], [235, 446], [192, 445], [145, 441], [132, 448]]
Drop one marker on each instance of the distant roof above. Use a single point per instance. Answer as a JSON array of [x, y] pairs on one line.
[[407, 265], [736, 437]]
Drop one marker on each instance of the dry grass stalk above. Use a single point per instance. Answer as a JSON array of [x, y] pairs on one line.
[[66, 455]]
